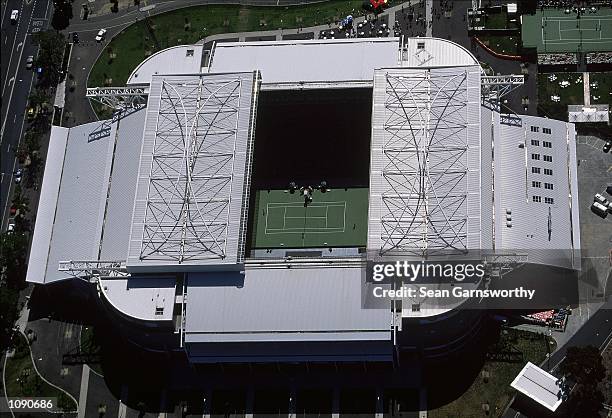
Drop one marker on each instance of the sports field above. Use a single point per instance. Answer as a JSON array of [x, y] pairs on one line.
[[337, 218], [551, 30]]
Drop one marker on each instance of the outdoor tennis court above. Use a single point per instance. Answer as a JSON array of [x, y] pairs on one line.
[[554, 31], [337, 218]]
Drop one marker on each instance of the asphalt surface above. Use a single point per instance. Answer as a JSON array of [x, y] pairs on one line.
[[16, 45]]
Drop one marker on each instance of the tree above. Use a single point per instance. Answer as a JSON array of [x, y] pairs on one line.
[[13, 249], [584, 365], [62, 14], [8, 315], [50, 57]]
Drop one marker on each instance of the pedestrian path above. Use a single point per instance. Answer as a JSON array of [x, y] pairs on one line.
[[587, 88], [279, 33]]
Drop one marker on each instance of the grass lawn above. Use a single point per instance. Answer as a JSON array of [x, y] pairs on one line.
[[91, 346], [505, 44], [493, 383], [603, 90], [189, 25], [573, 94], [23, 381], [496, 20]]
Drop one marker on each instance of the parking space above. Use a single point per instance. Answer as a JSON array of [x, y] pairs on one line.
[[594, 172]]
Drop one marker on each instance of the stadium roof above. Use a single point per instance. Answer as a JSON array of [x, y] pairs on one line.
[[434, 52], [278, 304], [181, 59], [81, 214], [539, 385], [336, 61], [143, 298], [538, 209], [425, 161], [193, 177]]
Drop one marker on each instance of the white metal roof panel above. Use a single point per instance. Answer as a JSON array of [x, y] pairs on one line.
[[144, 298], [547, 230], [192, 188], [47, 205], [82, 196], [298, 304], [425, 173], [539, 385], [294, 61], [118, 216], [181, 59], [434, 52]]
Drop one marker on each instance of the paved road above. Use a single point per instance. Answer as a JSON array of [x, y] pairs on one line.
[[16, 45]]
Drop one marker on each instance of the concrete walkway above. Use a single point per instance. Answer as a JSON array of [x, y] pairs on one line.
[[83, 391], [279, 33], [587, 88]]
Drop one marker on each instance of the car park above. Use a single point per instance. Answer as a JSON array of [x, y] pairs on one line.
[[14, 16], [101, 35], [29, 62]]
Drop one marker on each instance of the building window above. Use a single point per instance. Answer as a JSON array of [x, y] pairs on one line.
[[535, 170], [536, 184], [548, 158], [416, 307], [546, 130], [420, 45], [535, 129], [548, 171], [535, 142], [548, 186], [547, 144], [535, 156], [159, 310], [536, 199], [189, 53], [549, 200]]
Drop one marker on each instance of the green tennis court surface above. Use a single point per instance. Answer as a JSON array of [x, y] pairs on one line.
[[337, 218], [552, 30]]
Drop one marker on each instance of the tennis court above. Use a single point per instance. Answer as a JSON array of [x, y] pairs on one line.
[[551, 30], [337, 218]]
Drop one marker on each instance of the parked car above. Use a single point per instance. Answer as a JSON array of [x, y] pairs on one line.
[[599, 209], [607, 146], [11, 226], [75, 37], [29, 62], [600, 199], [101, 35], [14, 16]]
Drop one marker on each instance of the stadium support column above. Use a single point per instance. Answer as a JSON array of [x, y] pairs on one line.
[[336, 402], [380, 403], [250, 400]]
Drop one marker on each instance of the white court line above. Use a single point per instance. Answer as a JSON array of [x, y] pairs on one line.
[[313, 230]]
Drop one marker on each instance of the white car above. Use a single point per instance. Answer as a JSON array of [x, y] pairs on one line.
[[11, 227], [101, 35], [14, 15]]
